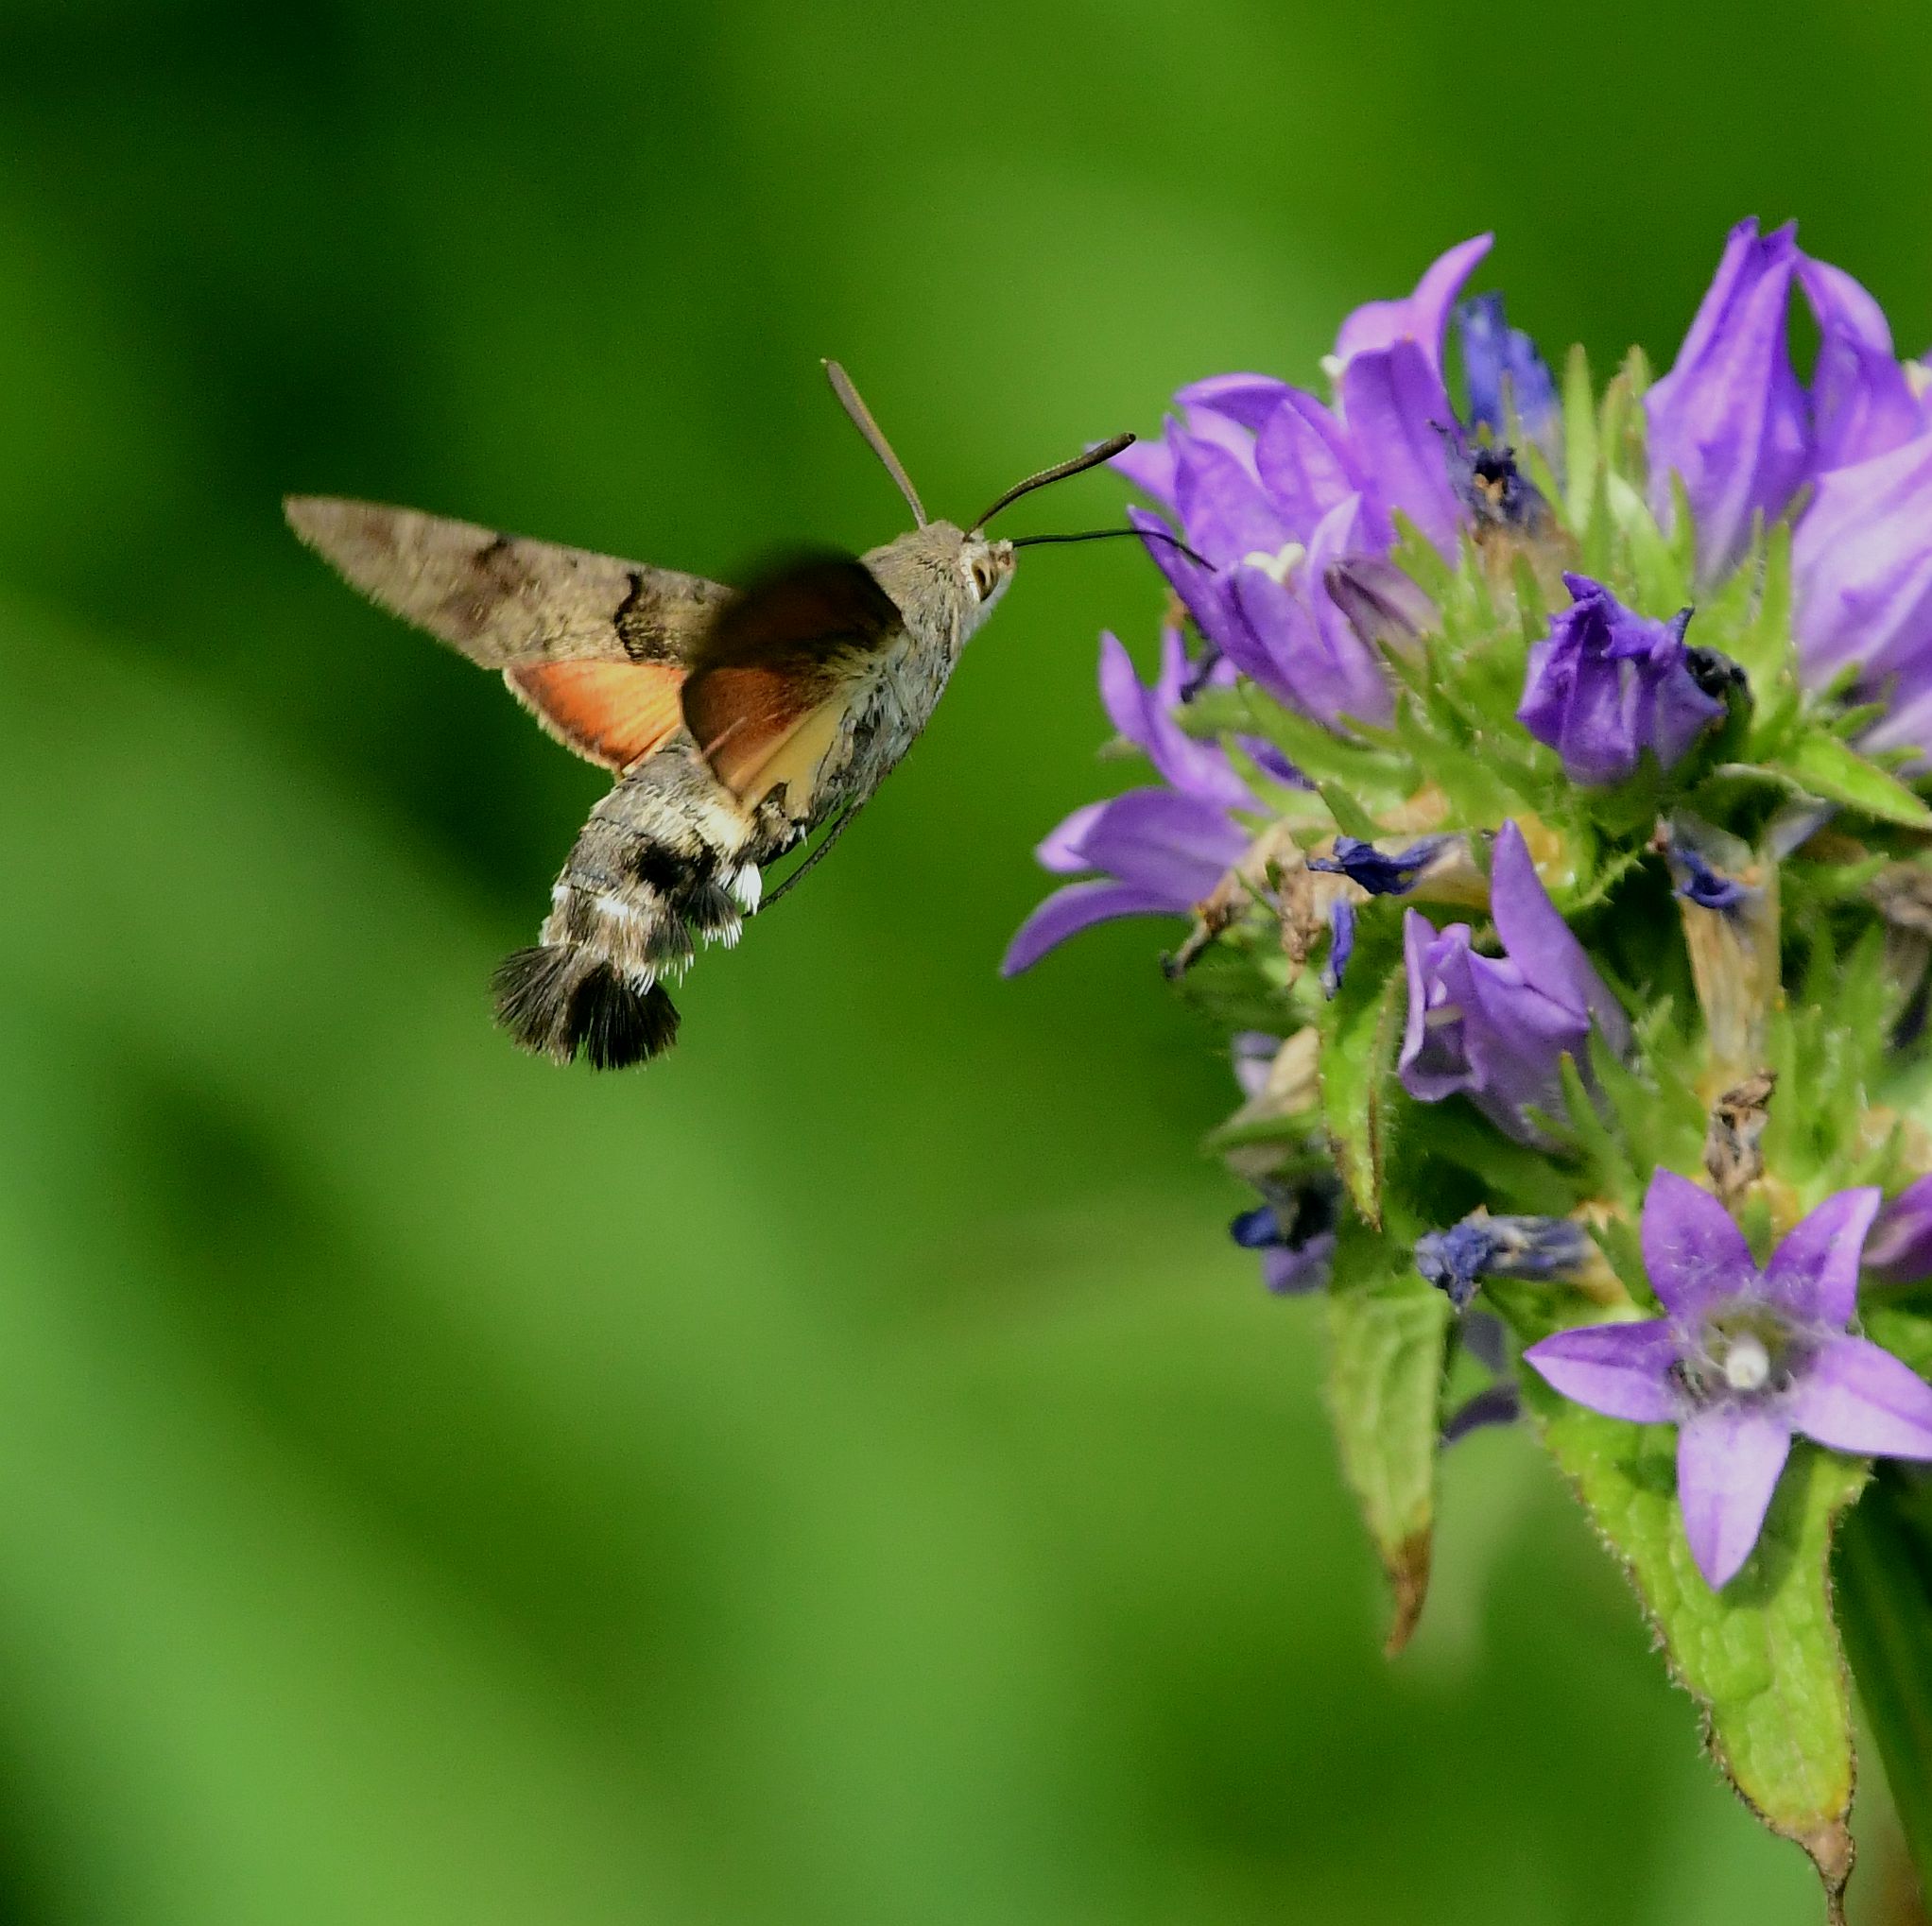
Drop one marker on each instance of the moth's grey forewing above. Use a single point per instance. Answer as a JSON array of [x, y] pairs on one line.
[[505, 600]]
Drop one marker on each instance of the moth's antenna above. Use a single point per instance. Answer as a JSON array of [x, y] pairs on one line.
[[1106, 450], [1110, 535], [862, 419]]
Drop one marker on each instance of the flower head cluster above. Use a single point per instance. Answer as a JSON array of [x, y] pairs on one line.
[[1551, 776]]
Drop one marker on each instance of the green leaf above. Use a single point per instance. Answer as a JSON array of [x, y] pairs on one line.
[[1350, 818], [1358, 1056], [1388, 1349], [1318, 752], [1835, 772], [1762, 1656]]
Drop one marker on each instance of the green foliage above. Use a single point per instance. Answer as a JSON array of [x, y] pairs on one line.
[[1884, 1597], [1760, 1658], [1388, 1338], [1360, 1035]]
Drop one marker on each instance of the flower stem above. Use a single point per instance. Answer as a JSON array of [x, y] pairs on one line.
[[1884, 1570]]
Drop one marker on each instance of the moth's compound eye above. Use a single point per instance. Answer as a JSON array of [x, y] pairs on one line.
[[985, 577]]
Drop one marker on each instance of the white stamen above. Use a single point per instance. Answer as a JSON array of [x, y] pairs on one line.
[[1746, 1364], [1277, 567], [1442, 1013]]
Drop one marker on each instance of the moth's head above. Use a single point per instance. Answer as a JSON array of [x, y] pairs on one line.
[[986, 566], [942, 571], [965, 571]]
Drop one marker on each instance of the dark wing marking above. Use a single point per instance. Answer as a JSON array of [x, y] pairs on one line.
[[771, 680], [505, 601], [614, 713]]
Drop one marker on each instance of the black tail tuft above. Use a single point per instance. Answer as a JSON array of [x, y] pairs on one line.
[[559, 999]]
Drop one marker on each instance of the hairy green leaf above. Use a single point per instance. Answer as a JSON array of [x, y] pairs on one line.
[[1389, 1337], [1358, 1056], [1884, 1569], [1760, 1658], [1835, 772]]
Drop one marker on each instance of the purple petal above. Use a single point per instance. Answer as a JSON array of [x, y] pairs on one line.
[[1862, 403], [1862, 571], [1196, 769], [1249, 399], [1855, 1396], [1397, 412], [1304, 455], [1540, 943], [1160, 840], [1431, 1068], [1276, 642], [1150, 466], [1693, 1250], [1199, 588], [1357, 686], [1077, 907], [1814, 1272], [1899, 1251], [1728, 1459], [1729, 417], [1224, 510], [1292, 1272], [1172, 675], [1622, 1370], [1422, 316], [1060, 850]]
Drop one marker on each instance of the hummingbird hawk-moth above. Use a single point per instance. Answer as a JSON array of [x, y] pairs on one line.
[[735, 722]]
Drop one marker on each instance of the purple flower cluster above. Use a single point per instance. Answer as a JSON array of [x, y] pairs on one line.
[[1275, 488], [1744, 1358]]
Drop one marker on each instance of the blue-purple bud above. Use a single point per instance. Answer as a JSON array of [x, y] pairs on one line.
[[1606, 684]]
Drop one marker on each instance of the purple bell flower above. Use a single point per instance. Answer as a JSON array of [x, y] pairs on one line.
[[1159, 849], [1496, 1029], [1606, 684], [1743, 1359], [1277, 491], [1729, 417]]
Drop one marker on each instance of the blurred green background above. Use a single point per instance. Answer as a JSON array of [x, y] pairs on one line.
[[843, 1474]]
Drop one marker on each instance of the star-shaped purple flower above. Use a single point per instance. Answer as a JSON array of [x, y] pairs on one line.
[[1744, 1359]]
